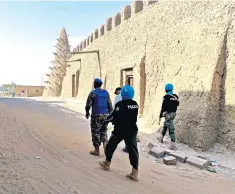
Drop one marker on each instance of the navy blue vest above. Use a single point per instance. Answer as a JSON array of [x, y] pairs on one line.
[[100, 105]]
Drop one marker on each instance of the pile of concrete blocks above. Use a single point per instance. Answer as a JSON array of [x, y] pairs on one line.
[[170, 157], [180, 156]]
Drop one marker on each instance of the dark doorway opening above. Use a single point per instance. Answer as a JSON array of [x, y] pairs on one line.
[[129, 80], [127, 77], [73, 86], [77, 81]]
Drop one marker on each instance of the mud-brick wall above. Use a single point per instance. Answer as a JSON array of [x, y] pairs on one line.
[[58, 71], [226, 127], [168, 42]]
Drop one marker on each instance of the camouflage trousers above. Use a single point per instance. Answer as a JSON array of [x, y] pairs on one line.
[[169, 124], [98, 135]]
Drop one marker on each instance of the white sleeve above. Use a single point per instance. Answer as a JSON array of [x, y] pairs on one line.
[[117, 99]]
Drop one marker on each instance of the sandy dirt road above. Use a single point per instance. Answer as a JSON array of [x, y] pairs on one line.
[[61, 138]]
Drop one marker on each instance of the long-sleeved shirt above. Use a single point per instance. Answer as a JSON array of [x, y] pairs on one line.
[[117, 99], [91, 100], [169, 104], [124, 117]]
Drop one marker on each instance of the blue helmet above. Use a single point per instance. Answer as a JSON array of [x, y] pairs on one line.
[[127, 92], [97, 80], [169, 87]]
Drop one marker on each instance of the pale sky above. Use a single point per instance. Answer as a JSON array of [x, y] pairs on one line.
[[28, 33]]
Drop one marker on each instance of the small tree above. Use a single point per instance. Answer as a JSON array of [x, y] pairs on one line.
[[9, 87]]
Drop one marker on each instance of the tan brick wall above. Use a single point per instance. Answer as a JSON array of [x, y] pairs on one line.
[[29, 91], [184, 43]]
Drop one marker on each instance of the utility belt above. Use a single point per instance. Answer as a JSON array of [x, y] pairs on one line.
[[99, 115], [170, 115]]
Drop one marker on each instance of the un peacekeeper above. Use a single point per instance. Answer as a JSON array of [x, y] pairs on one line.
[[169, 109], [101, 105], [124, 118]]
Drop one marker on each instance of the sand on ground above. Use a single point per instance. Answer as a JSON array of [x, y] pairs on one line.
[[44, 149]]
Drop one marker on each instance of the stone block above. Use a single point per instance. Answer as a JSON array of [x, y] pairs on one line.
[[150, 145], [77, 48], [96, 33], [117, 19], [126, 12], [109, 22], [167, 151], [157, 152], [91, 38], [88, 41], [84, 43], [137, 6], [197, 162], [150, 2], [170, 160], [180, 156], [101, 30]]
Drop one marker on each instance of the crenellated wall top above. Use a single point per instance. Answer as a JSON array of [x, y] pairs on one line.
[[113, 22]]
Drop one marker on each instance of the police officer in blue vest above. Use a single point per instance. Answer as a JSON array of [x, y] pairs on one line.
[[101, 105], [124, 119]]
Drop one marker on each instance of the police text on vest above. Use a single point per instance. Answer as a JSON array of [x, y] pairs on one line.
[[132, 106]]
